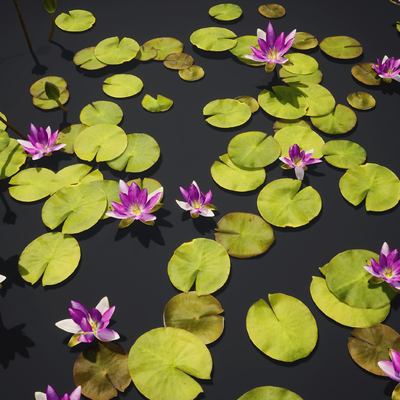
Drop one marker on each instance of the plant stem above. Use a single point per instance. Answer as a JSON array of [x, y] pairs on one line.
[[53, 25], [12, 128], [276, 72], [61, 106], [23, 25]]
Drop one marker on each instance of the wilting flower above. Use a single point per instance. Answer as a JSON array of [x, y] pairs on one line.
[[52, 395], [388, 68], [388, 268], [196, 201], [2, 278], [272, 48], [391, 368], [299, 160], [136, 203], [86, 325]]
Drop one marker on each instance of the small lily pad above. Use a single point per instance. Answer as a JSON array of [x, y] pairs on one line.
[[250, 101], [101, 112], [288, 77], [160, 104], [341, 120], [282, 203], [213, 39], [344, 154], [194, 73], [146, 53], [75, 21], [68, 135], [284, 123], [244, 235], [178, 61], [47, 104], [272, 10], [365, 73], [242, 48], [225, 12], [112, 51], [11, 159], [86, 59], [285, 331], [361, 100], [270, 393], [342, 47], [227, 113], [300, 64], [53, 255], [38, 88], [70, 175], [4, 139], [165, 46], [304, 41], [122, 85], [196, 314]]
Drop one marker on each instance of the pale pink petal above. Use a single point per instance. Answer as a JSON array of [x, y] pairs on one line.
[[76, 394], [69, 326], [206, 212], [299, 171], [103, 305], [184, 205], [40, 396], [107, 335]]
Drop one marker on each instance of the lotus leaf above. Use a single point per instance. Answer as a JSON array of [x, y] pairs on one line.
[[122, 85], [213, 39], [272, 10], [4, 139], [38, 90], [75, 21], [12, 158], [250, 101], [47, 104], [227, 113], [68, 136], [270, 393], [300, 64], [101, 112], [111, 190], [194, 73], [86, 59], [146, 53], [284, 123], [341, 120], [160, 104], [165, 46], [288, 77], [178, 61], [361, 100], [365, 73], [70, 175], [225, 12], [343, 47], [242, 48], [343, 153], [304, 41], [112, 51]]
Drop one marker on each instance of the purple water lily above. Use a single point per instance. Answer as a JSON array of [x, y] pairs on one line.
[[272, 48], [388, 268], [87, 325], [299, 160], [196, 202], [388, 68], [391, 368], [41, 142], [52, 395]]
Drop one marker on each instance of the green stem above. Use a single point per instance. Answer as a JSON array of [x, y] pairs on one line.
[[61, 106], [53, 25], [12, 128], [23, 25], [276, 72]]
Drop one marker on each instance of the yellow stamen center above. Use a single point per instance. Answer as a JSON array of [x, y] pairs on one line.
[[388, 272], [272, 53]]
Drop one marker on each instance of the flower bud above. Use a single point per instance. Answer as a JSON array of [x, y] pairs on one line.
[[50, 6], [52, 91]]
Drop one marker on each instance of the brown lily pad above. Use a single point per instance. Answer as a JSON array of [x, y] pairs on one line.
[[178, 61], [272, 10], [365, 73]]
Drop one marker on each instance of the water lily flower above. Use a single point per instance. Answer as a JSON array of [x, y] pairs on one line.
[[41, 142], [391, 368], [196, 201], [388, 268], [52, 395], [299, 160], [272, 48], [136, 204], [87, 325], [388, 68]]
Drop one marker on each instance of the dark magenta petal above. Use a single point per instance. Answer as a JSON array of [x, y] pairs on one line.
[[34, 132], [79, 306], [263, 45], [95, 314], [133, 192], [376, 267], [392, 257], [185, 194], [193, 193], [108, 314], [42, 136], [125, 199], [88, 338], [270, 36], [259, 54], [76, 315], [395, 360], [142, 199], [208, 197], [51, 394], [313, 161], [119, 208], [279, 42], [85, 326]]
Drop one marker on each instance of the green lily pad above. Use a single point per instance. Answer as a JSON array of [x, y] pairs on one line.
[[202, 260], [86, 59], [227, 113], [284, 123], [151, 185], [304, 41], [31, 184], [361, 100], [178, 61], [225, 12], [250, 101], [79, 207], [343, 47], [102, 370], [94, 176], [75, 21], [111, 51], [230, 176], [365, 73], [272, 10], [300, 64], [165, 46], [253, 150], [141, 153], [101, 112], [4, 139], [53, 255], [285, 102], [242, 48], [38, 88], [11, 159], [47, 104], [122, 85], [196, 314], [3, 126], [70, 175], [341, 312], [111, 190], [288, 77], [282, 204], [161, 360], [344, 154], [270, 393], [160, 104], [68, 136], [284, 331], [347, 279], [194, 73], [341, 120], [244, 235], [378, 185], [146, 53], [213, 39]]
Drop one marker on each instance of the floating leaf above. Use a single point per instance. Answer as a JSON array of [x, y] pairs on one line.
[[94, 176], [70, 175], [227, 113], [111, 190], [53, 255], [282, 204], [75, 21], [341, 120], [47, 104], [288, 77], [86, 59], [250, 101], [225, 12], [284, 331], [284, 123], [101, 370], [101, 112], [178, 61], [232, 177], [122, 85], [161, 360], [160, 104], [304, 41], [146, 53], [343, 47], [361, 100], [365, 73], [213, 39], [343, 153], [396, 391], [165, 46], [244, 235], [4, 139], [150, 184], [300, 64], [202, 260], [68, 135], [196, 314], [242, 48], [12, 158], [38, 88], [112, 51], [270, 393], [3, 126], [378, 185], [194, 73], [272, 10]]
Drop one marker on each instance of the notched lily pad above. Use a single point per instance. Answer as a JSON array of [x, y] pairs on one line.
[[165, 46], [272, 10], [304, 41], [68, 135], [344, 154], [86, 59], [70, 175], [342, 47], [284, 123], [38, 88], [361, 100], [227, 113], [47, 104], [270, 393], [12, 158], [146, 53], [242, 48], [194, 73], [300, 64], [213, 39], [341, 120], [112, 51], [250, 101], [75, 21], [365, 73], [160, 104], [122, 85], [288, 77], [178, 61], [101, 112], [225, 12]]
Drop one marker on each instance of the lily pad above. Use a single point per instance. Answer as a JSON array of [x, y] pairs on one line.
[[230, 176], [253, 150], [112, 51], [70, 175], [304, 41], [86, 59], [341, 120], [288, 77], [102, 370], [4, 139], [178, 61], [342, 47], [244, 235], [196, 314], [272, 10], [213, 39], [47, 104], [194, 73], [341, 312], [347, 279], [146, 53], [282, 204], [202, 260], [3, 126], [242, 48], [250, 101], [160, 104], [361, 100], [141, 153], [227, 113], [365, 73], [343, 153], [68, 136], [53, 255], [165, 46], [111, 190], [38, 88], [122, 85], [161, 360], [11, 159], [225, 12], [284, 123], [101, 112], [284, 331], [285, 102], [75, 21], [378, 185], [300, 64], [270, 393]]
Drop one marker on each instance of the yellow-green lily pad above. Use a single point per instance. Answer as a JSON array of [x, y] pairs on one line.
[[11, 159], [300, 64], [3, 126], [284, 123], [304, 41], [112, 51], [250, 101], [75, 21], [86, 59], [361, 100], [344, 154], [272, 10], [365, 73], [47, 104], [193, 73], [160, 104], [122, 85], [227, 113], [101, 112], [225, 12], [70, 175], [178, 61], [242, 48], [111, 190], [4, 139], [68, 135], [341, 120], [270, 393], [146, 53], [213, 39], [165, 46], [38, 88], [288, 77], [342, 47]]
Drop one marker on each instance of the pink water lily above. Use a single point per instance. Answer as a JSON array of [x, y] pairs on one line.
[[388, 68], [51, 394], [272, 48], [391, 368], [41, 142], [87, 325]]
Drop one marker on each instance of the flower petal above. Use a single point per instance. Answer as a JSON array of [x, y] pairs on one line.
[[76, 394], [184, 205], [68, 325], [51, 394], [106, 335], [103, 305], [40, 396], [371, 270], [299, 171], [205, 212], [388, 369]]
